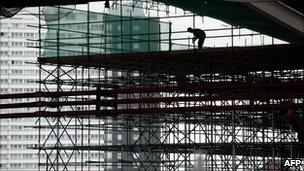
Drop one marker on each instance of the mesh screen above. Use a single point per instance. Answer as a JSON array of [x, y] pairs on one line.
[[80, 34]]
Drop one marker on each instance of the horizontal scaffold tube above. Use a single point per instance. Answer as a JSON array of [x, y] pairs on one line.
[[195, 88], [241, 148], [148, 111], [46, 94], [114, 102]]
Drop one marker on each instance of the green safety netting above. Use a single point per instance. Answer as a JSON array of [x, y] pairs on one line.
[[82, 33]]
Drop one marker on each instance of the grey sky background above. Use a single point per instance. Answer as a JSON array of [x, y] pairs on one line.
[[205, 23]]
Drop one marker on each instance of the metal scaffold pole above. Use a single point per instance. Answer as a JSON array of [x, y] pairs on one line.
[[127, 91]]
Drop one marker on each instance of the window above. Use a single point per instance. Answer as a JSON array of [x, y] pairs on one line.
[[118, 155], [14, 34], [17, 44], [16, 137], [17, 53], [4, 53], [16, 165], [3, 146], [15, 62], [17, 25], [17, 81], [4, 43], [3, 90], [3, 80], [3, 137]]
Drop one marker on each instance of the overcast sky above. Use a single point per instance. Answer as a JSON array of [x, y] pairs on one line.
[[205, 23]]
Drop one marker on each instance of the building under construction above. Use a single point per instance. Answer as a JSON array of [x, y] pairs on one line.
[[236, 104]]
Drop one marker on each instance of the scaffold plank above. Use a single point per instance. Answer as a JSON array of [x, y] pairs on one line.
[[210, 60]]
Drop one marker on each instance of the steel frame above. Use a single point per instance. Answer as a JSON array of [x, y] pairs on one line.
[[220, 122], [203, 120], [168, 127]]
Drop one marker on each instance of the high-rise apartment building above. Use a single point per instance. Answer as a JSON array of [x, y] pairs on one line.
[[19, 74]]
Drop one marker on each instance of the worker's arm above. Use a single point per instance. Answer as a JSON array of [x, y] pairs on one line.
[[194, 39]]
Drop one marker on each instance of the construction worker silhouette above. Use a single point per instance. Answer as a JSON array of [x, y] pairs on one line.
[[198, 34]]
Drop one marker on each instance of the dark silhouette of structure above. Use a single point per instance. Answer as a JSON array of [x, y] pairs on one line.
[[198, 34], [296, 121], [170, 107]]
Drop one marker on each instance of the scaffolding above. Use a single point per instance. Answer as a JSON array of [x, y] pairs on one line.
[[108, 103]]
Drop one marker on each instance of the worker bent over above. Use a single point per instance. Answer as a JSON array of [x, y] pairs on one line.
[[198, 34]]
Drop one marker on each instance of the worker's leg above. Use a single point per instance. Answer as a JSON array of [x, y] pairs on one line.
[[200, 43]]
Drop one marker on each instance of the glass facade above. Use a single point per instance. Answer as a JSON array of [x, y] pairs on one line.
[[82, 33]]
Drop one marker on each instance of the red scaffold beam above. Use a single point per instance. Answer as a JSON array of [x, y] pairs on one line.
[[158, 89], [148, 111], [114, 102], [47, 94], [46, 104], [209, 87], [260, 96]]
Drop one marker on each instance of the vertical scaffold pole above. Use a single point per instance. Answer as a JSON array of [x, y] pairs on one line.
[[39, 119], [170, 36]]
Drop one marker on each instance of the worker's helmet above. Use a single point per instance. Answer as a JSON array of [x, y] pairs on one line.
[[189, 29]]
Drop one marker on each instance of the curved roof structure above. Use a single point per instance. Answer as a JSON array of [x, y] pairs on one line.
[[246, 14], [280, 19]]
